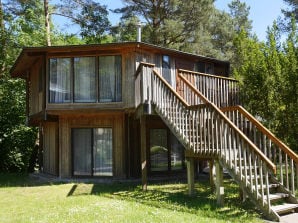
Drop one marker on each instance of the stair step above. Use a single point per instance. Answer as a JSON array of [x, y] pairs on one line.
[[270, 186], [284, 208], [277, 196], [289, 218]]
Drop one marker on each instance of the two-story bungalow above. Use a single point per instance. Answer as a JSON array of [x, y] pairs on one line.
[[128, 110]]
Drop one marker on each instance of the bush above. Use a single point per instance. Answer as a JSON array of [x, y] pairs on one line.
[[17, 148]]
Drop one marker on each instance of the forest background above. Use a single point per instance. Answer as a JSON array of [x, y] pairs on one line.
[[267, 69]]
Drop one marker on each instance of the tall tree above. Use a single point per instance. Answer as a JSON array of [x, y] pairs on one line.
[[239, 12], [169, 23], [89, 15], [293, 9]]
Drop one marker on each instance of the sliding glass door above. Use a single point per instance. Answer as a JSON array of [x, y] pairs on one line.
[[92, 152]]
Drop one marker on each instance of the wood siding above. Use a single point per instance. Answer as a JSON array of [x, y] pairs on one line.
[[114, 121], [50, 148], [35, 90]]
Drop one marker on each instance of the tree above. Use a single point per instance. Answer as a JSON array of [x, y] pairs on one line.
[[169, 23], [268, 75], [239, 13], [90, 16], [293, 11]]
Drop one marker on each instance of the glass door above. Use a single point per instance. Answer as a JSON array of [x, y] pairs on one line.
[[92, 151], [82, 144], [103, 152]]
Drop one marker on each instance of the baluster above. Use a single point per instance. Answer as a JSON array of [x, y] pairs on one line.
[[261, 180], [267, 188], [250, 168], [292, 177], [245, 160], [235, 146], [196, 127], [281, 168], [287, 171], [230, 145], [256, 174], [240, 150], [296, 164]]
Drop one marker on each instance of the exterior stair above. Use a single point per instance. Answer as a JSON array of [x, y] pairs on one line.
[[265, 168]]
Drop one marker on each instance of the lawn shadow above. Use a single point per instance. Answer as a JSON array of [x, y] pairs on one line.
[[173, 196], [25, 180]]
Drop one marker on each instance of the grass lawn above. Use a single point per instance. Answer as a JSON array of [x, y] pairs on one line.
[[25, 200]]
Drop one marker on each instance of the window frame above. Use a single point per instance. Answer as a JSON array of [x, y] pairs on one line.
[[92, 171], [97, 79], [155, 124]]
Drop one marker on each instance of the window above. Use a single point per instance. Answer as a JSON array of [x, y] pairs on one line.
[[85, 79], [166, 68], [92, 152], [166, 153], [59, 85], [110, 78], [202, 67], [158, 150]]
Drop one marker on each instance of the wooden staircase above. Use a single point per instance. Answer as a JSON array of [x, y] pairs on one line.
[[265, 169]]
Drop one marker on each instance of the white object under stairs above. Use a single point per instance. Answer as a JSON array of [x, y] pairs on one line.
[[265, 168]]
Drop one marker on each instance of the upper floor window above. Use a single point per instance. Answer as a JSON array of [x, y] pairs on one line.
[[166, 68], [202, 67], [85, 79]]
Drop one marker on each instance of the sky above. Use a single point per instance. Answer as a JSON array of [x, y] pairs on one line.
[[262, 12]]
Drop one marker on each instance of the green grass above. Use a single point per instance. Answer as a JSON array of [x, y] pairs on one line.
[[25, 200]]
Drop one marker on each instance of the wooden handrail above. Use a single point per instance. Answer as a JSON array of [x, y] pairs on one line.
[[264, 130], [141, 65], [163, 80], [233, 126], [207, 75], [171, 89]]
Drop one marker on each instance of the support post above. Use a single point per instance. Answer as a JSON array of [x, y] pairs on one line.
[[143, 152], [211, 174], [219, 184], [190, 176]]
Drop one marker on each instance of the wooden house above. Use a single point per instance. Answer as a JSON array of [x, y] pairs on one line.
[[131, 110]]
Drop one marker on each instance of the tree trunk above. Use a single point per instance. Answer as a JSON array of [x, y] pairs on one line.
[[47, 22], [3, 42]]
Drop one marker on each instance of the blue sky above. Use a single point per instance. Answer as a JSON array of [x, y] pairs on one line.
[[262, 12]]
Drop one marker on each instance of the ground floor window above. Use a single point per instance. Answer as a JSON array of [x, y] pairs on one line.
[[166, 153], [92, 151]]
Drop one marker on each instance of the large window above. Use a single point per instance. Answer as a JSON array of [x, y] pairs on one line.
[[166, 153], [85, 79], [59, 85], [92, 152], [109, 78]]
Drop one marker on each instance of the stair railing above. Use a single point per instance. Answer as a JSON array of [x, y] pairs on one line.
[[222, 91], [204, 129], [281, 155], [244, 159]]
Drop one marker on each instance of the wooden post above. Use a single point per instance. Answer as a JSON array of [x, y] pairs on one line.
[[211, 174], [143, 152], [219, 184], [190, 176]]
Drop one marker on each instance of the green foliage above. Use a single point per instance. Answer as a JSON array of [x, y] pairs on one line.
[[16, 140], [268, 74]]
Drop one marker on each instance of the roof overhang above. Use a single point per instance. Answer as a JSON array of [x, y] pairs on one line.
[[30, 55]]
